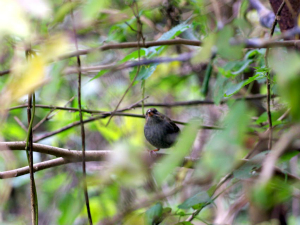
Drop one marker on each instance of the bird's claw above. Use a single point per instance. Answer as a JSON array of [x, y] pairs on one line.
[[153, 152]]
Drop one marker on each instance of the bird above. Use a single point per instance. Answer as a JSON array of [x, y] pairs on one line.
[[160, 131]]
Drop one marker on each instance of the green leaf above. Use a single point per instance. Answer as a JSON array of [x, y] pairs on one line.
[[175, 31], [288, 156], [226, 50], [226, 147], [235, 88], [153, 215], [181, 149], [63, 11], [74, 199], [146, 71], [245, 64], [134, 55], [286, 65], [91, 9], [247, 170], [201, 198], [184, 223], [233, 68], [264, 117], [274, 192]]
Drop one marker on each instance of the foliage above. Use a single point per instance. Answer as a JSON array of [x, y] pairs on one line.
[[217, 82]]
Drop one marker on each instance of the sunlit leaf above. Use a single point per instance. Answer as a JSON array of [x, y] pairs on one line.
[[54, 47], [25, 79]]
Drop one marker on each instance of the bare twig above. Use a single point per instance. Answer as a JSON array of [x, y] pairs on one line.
[[250, 43], [281, 146], [139, 38], [68, 157], [93, 69], [20, 123], [269, 79], [49, 134], [29, 152], [49, 116], [81, 126], [172, 104]]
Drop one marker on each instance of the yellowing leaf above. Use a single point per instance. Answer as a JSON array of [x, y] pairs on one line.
[[24, 80], [54, 47]]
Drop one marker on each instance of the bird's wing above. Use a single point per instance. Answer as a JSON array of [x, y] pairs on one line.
[[173, 128]]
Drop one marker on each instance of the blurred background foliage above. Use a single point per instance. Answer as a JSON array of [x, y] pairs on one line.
[[127, 188]]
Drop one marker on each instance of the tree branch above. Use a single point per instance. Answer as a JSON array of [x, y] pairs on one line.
[[67, 156], [172, 104], [250, 43]]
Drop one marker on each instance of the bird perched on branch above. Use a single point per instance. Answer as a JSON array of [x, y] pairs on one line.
[[160, 131]]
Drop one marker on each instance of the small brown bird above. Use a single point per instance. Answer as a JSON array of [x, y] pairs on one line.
[[159, 130]]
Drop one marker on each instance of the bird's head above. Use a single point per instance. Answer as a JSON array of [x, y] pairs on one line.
[[153, 115]]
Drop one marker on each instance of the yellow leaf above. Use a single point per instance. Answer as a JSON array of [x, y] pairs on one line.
[[25, 78], [54, 47]]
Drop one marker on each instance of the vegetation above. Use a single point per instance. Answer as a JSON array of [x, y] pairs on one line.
[[77, 76]]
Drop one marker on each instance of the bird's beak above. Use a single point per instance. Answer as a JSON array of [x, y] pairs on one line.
[[150, 114]]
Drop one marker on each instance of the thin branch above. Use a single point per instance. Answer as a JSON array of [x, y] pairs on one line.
[[250, 43], [95, 69], [134, 45], [82, 131], [157, 197], [281, 146], [20, 123], [68, 156], [55, 151], [49, 134], [139, 38], [49, 116], [102, 155], [29, 152], [269, 78], [172, 104], [4, 72]]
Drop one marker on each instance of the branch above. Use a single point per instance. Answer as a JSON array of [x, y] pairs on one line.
[[249, 43], [284, 143], [172, 104], [82, 131], [49, 134], [95, 69], [67, 156], [269, 78]]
